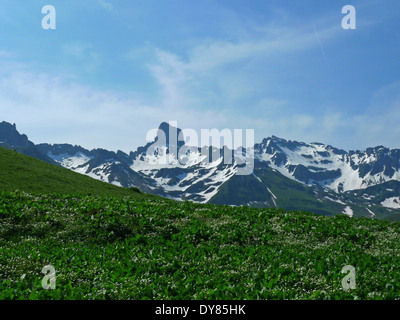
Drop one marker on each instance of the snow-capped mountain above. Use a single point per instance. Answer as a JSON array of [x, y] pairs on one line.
[[287, 174], [10, 138], [183, 174], [100, 164], [159, 171], [325, 166]]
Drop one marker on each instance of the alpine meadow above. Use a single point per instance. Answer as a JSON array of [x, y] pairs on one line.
[[201, 155]]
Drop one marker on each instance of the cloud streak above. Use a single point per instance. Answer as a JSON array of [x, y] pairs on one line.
[[105, 5], [264, 76]]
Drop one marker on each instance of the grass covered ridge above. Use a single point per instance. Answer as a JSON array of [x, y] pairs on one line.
[[107, 247], [20, 172]]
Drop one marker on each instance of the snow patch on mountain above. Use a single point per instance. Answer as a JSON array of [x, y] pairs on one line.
[[318, 164], [271, 193], [161, 158], [372, 214], [367, 197], [217, 180], [273, 197], [101, 172], [348, 211], [116, 183], [256, 177], [335, 200], [70, 161], [393, 203]]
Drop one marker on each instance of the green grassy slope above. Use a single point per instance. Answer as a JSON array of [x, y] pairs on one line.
[[20, 172], [108, 246], [292, 195], [119, 248]]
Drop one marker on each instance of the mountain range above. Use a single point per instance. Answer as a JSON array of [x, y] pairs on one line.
[[287, 174]]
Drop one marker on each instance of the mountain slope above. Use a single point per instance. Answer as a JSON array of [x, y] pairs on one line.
[[287, 174], [99, 164], [11, 139], [268, 188], [35, 176], [105, 248], [328, 167]]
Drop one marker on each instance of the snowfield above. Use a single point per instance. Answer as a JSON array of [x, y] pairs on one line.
[[347, 210], [393, 202]]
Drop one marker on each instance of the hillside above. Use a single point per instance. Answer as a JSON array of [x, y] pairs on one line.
[[104, 245], [24, 173], [120, 248], [287, 174]]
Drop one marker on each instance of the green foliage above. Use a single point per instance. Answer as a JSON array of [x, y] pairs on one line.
[[114, 247], [20, 172]]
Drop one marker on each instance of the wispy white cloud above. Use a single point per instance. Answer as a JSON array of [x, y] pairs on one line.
[[380, 123], [221, 77], [218, 82], [57, 109], [54, 109], [77, 49], [106, 5], [83, 52], [5, 54]]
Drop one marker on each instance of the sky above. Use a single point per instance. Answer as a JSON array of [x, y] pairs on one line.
[[113, 70]]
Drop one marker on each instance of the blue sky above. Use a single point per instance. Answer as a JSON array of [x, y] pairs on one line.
[[113, 70]]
